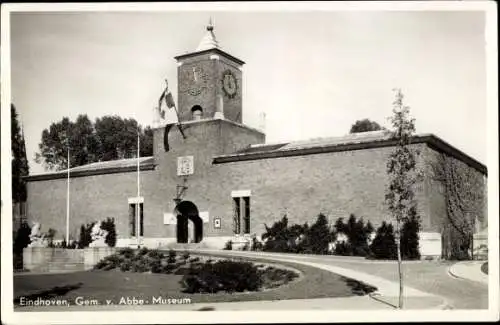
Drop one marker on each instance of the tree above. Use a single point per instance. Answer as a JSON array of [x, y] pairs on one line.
[[118, 137], [20, 166], [319, 236], [109, 138], [464, 192], [365, 125], [383, 245], [357, 234], [403, 175]]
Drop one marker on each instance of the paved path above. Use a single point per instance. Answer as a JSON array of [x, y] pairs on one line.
[[470, 270], [430, 278]]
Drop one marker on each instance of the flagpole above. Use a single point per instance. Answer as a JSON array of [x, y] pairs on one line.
[[67, 202], [138, 188]]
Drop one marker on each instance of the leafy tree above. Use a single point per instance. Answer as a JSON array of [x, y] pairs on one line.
[[383, 245], [109, 138], [403, 175], [365, 125], [20, 166], [118, 137]]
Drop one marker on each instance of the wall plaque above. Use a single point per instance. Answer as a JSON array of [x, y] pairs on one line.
[[185, 165]]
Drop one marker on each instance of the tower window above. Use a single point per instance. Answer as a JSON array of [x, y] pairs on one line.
[[197, 112]]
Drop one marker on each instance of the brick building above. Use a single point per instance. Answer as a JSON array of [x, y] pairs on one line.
[[221, 179]]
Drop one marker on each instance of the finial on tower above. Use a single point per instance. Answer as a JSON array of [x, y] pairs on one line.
[[210, 26]]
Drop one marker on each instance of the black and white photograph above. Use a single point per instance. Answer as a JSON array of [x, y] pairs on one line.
[[228, 162]]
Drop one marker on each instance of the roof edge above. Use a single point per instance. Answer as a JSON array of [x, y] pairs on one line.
[[218, 50], [83, 173], [430, 139]]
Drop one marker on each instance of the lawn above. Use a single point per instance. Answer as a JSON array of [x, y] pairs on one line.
[[115, 284]]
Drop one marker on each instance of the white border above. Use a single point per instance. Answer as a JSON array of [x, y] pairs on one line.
[[253, 316], [241, 193]]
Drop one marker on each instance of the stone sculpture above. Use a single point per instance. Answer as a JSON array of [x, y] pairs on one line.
[[98, 236], [36, 237]]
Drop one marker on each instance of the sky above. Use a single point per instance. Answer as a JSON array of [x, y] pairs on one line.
[[313, 73]]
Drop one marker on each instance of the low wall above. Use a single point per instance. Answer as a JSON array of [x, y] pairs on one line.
[[45, 259], [430, 244]]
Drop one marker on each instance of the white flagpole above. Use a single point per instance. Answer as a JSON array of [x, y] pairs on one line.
[[138, 188], [67, 203]]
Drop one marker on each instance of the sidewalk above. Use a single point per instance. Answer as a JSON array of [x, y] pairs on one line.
[[470, 270], [386, 294]]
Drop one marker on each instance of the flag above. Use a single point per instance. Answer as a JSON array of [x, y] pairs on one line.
[[166, 96], [165, 137]]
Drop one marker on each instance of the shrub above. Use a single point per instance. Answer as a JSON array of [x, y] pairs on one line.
[[318, 236], [256, 245], [246, 247], [357, 233], [384, 245], [143, 251], [109, 226], [228, 246], [185, 256], [85, 235], [225, 275], [126, 252], [171, 257], [49, 235], [22, 238], [410, 238], [156, 254], [276, 236]]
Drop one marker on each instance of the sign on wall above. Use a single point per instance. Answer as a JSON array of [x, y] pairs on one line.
[[169, 219], [185, 165], [217, 223], [204, 216]]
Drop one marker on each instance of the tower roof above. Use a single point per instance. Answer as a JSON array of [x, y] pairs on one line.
[[209, 41]]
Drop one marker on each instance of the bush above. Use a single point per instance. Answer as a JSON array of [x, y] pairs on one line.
[[85, 235], [410, 238], [256, 245], [225, 275], [384, 245], [109, 226], [318, 237], [357, 233], [185, 256], [22, 238], [126, 252], [171, 257], [228, 246]]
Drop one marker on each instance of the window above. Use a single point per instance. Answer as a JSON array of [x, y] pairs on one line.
[[132, 212], [246, 201], [236, 215], [241, 208], [197, 112]]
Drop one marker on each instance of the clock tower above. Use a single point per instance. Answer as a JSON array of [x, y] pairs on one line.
[[209, 82]]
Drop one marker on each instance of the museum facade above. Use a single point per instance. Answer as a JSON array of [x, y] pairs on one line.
[[220, 181]]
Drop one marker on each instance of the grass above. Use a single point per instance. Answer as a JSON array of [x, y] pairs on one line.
[[114, 284], [484, 268]]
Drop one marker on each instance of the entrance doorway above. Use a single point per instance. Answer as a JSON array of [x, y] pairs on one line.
[[189, 223]]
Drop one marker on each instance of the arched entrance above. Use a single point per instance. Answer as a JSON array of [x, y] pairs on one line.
[[187, 213]]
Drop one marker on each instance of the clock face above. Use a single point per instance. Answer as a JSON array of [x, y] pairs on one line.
[[229, 84]]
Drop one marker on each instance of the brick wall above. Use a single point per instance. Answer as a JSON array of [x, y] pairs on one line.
[[336, 184]]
